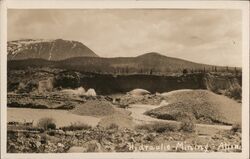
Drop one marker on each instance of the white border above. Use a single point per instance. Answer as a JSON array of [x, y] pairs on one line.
[[53, 4]]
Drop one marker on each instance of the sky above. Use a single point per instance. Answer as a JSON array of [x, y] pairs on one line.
[[203, 36]]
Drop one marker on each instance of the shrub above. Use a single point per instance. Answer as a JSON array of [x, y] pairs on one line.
[[76, 126], [158, 127], [187, 126], [43, 139], [183, 116], [27, 87], [187, 122], [46, 123], [51, 133], [51, 126], [31, 85], [236, 127], [113, 126], [184, 71], [235, 93], [165, 116], [67, 79]]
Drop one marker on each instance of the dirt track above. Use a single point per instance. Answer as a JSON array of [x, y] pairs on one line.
[[137, 111]]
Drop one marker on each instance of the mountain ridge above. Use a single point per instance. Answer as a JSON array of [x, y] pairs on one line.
[[49, 49], [79, 57]]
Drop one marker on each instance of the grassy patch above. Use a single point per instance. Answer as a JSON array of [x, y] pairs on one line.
[[158, 127], [76, 126]]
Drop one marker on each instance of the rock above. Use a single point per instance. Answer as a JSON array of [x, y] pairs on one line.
[[60, 132], [157, 94], [91, 92], [12, 148], [132, 140], [38, 144], [60, 145], [69, 133], [170, 139], [80, 91], [122, 147], [77, 149], [93, 146], [90, 146]]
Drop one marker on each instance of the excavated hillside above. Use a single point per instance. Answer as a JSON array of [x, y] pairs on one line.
[[31, 79]]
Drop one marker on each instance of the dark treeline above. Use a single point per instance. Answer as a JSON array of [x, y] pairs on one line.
[[121, 66]]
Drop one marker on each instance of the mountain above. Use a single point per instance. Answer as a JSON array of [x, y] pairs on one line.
[[47, 49], [76, 56]]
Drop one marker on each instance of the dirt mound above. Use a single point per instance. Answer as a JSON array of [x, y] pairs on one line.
[[78, 91], [90, 92], [204, 106], [95, 108], [125, 100], [166, 94], [121, 120], [138, 92]]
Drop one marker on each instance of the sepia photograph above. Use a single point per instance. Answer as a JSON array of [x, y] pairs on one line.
[[131, 80]]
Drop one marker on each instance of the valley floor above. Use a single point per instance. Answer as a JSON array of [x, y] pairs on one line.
[[116, 131]]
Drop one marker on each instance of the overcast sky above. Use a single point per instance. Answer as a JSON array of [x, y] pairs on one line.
[[204, 36]]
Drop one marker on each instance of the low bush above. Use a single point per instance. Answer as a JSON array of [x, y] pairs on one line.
[[51, 133], [76, 126], [113, 126], [235, 93], [187, 126], [158, 127], [46, 123], [51, 126], [187, 123]]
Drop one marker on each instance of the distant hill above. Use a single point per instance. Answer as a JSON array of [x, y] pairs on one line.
[[47, 49], [150, 63]]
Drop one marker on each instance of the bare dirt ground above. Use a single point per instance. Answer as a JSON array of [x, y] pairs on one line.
[[138, 110], [61, 117], [105, 137], [65, 117]]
